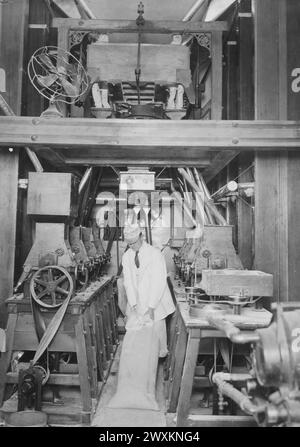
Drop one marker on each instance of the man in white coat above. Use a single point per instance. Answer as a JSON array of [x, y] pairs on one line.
[[145, 282]]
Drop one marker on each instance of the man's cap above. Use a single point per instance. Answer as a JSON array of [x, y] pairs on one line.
[[132, 233]]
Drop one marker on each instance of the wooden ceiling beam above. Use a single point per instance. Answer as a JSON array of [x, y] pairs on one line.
[[218, 163], [206, 135], [130, 26], [142, 162]]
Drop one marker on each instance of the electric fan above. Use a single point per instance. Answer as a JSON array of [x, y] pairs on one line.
[[58, 76]]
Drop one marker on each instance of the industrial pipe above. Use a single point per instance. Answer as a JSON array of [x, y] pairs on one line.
[[192, 11], [211, 207], [84, 179], [189, 15], [237, 396], [86, 9], [232, 332], [231, 186], [234, 377], [186, 209], [204, 188]]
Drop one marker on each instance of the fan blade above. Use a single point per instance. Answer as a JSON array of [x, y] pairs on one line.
[[70, 89], [47, 81], [47, 61], [76, 80]]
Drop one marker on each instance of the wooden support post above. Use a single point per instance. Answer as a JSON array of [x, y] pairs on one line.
[[110, 307], [6, 356], [102, 362], [187, 377], [171, 344], [9, 163], [271, 180], [13, 25], [217, 70], [245, 215], [113, 315], [106, 328], [246, 60], [171, 356], [91, 350], [231, 104], [176, 374], [38, 36], [277, 209], [85, 379], [291, 101]]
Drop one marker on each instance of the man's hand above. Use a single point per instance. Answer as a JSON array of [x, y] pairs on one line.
[[151, 312]]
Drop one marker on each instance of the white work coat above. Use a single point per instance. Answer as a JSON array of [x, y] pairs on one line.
[[147, 286]]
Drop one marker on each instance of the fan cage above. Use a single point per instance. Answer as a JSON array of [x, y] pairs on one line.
[[61, 60]]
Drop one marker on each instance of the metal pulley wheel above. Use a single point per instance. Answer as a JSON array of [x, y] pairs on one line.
[[45, 373], [50, 286]]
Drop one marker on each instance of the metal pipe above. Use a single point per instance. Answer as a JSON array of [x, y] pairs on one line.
[[192, 11], [234, 377], [220, 219], [237, 396], [86, 9], [228, 188], [186, 209], [199, 200], [84, 179], [231, 331], [189, 15]]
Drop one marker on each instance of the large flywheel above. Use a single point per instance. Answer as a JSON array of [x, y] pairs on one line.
[[50, 286]]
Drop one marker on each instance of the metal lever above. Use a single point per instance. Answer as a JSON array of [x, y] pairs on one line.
[[24, 275]]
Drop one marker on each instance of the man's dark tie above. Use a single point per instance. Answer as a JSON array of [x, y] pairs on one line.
[[136, 259]]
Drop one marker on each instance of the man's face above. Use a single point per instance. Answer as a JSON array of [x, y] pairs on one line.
[[136, 245]]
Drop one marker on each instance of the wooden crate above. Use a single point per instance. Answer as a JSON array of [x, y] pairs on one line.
[[232, 282]]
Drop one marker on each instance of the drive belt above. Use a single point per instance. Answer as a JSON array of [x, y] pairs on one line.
[[45, 334]]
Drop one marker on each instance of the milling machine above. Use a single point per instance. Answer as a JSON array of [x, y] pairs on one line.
[[63, 256]]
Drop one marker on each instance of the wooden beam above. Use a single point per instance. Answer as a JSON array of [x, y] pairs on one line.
[[292, 104], [13, 25], [246, 60], [74, 133], [245, 85], [219, 162], [9, 164], [68, 8], [130, 26], [277, 211], [268, 167], [38, 36], [153, 161], [13, 22], [216, 75]]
